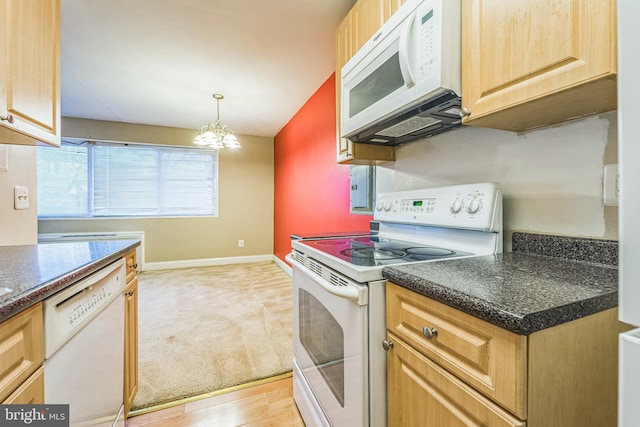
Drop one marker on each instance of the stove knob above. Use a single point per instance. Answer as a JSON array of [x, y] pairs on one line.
[[379, 205], [387, 206], [473, 206], [456, 205]]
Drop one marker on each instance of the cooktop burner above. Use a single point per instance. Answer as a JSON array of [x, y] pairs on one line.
[[371, 251]]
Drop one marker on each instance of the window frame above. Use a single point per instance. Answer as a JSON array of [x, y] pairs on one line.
[[91, 172]]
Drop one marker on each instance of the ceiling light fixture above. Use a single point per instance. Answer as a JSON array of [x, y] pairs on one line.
[[217, 135]]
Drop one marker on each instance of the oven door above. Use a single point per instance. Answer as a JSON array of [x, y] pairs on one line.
[[329, 346]]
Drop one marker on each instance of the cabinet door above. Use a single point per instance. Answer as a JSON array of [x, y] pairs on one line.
[[537, 62], [130, 344], [421, 393], [31, 392], [30, 72], [21, 348], [390, 7], [368, 18], [132, 265]]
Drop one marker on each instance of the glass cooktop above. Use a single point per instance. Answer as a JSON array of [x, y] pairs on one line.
[[371, 251]]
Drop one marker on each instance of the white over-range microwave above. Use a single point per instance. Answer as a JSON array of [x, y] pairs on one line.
[[404, 83]]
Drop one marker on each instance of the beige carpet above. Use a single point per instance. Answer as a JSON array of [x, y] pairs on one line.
[[209, 328]]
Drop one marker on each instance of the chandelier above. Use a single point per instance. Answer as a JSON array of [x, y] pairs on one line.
[[216, 135]]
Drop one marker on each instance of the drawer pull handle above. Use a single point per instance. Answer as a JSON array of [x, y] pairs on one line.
[[429, 333], [387, 345], [8, 118]]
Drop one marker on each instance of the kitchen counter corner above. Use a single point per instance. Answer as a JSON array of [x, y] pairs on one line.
[[31, 273]]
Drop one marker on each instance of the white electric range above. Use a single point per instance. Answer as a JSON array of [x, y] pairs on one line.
[[339, 367]]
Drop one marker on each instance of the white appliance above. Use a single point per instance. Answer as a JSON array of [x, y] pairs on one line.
[[339, 367], [404, 83], [84, 348], [629, 210]]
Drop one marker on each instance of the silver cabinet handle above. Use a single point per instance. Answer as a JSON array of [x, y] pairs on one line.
[[8, 118], [429, 333], [387, 345], [465, 112]]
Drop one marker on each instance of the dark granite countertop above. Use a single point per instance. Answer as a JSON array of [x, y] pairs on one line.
[[31, 273], [518, 291]]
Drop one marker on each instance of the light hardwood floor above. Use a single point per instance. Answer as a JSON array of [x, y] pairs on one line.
[[269, 404]]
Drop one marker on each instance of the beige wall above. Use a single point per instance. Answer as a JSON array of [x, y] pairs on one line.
[[551, 178], [245, 199], [18, 227]]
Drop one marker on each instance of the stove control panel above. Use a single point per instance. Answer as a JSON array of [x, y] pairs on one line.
[[470, 206]]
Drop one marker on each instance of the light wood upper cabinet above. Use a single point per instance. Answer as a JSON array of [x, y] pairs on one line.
[[534, 63], [30, 72], [364, 19], [368, 17]]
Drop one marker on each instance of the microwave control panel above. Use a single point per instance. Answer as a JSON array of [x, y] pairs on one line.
[[426, 35]]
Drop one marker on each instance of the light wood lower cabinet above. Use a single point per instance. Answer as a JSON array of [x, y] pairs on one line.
[[31, 392], [22, 354], [130, 335], [470, 372], [421, 393]]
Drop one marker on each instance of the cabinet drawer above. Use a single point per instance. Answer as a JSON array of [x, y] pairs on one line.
[[21, 348], [132, 265], [31, 392], [489, 358], [427, 395]]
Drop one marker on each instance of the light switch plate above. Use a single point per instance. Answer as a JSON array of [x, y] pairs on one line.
[[20, 197]]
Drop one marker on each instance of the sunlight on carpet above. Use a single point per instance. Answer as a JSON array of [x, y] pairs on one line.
[[208, 328]]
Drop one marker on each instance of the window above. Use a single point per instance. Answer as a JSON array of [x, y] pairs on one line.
[[89, 179]]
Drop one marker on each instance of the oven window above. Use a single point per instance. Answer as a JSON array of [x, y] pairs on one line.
[[322, 337], [380, 83]]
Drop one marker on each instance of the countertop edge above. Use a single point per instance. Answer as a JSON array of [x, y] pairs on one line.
[[49, 288], [497, 315]]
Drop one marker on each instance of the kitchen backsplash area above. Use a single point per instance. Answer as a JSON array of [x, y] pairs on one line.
[[18, 227], [552, 178]]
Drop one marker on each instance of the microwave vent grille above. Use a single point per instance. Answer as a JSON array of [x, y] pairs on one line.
[[410, 125]]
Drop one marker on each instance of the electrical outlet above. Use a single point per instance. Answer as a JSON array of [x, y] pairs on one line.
[[20, 197], [241, 243], [611, 185]]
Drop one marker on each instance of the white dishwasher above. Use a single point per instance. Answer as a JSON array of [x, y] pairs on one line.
[[84, 348]]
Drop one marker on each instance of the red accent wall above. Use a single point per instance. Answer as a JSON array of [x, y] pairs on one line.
[[311, 190]]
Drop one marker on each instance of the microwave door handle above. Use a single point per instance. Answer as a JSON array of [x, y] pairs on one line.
[[403, 52]]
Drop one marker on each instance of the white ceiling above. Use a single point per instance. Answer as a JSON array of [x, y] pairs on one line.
[[159, 61]]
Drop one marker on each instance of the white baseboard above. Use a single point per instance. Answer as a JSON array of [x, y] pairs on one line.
[[283, 265], [208, 262]]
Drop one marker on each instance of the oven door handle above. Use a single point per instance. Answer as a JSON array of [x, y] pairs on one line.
[[347, 292]]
